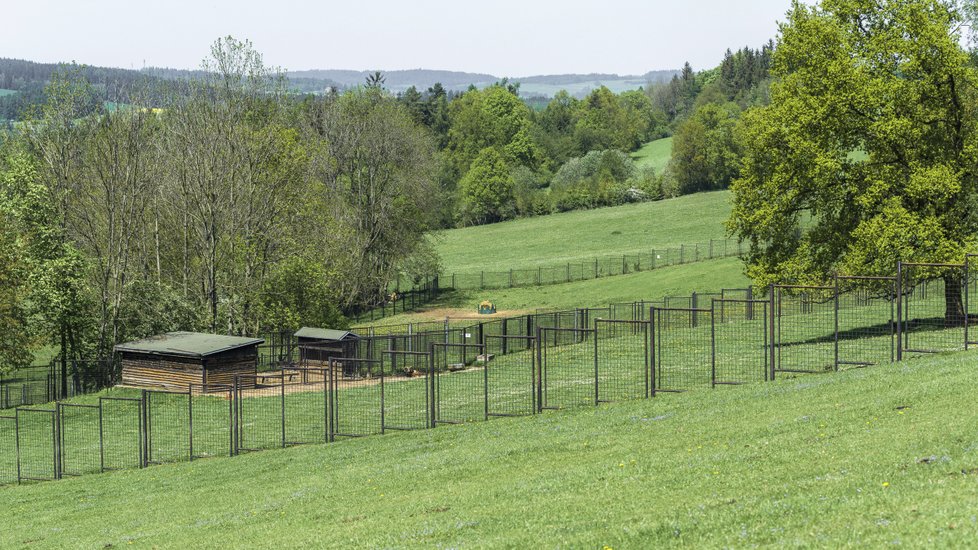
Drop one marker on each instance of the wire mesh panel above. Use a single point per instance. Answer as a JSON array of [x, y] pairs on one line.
[[8, 450], [460, 383], [167, 427], [211, 419], [306, 405], [623, 359], [121, 433], [81, 443], [568, 367], [934, 301], [407, 391], [804, 329], [972, 295], [682, 349], [510, 375], [37, 444], [741, 347], [357, 402], [260, 402], [866, 321]]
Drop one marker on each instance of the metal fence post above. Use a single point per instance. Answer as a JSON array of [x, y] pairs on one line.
[[773, 340], [539, 369], [836, 299], [899, 308]]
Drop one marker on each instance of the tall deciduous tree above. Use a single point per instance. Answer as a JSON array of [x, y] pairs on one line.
[[888, 78]]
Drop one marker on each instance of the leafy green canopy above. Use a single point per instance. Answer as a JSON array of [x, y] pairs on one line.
[[888, 78]]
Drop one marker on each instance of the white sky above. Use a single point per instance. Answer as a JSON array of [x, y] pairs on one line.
[[502, 37]]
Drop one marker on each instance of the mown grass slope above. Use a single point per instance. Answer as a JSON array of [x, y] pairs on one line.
[[871, 457], [583, 235], [655, 154]]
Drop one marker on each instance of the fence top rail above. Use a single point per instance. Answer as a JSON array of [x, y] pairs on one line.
[[738, 301], [304, 369], [73, 406], [131, 399], [449, 345], [686, 309], [865, 278], [559, 329], [508, 337], [621, 321], [404, 352], [215, 387], [167, 391], [805, 287], [29, 409], [918, 264], [334, 360]]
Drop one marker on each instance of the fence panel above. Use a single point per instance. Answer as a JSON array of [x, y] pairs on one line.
[[260, 402], [972, 296], [357, 397], [306, 405], [121, 432], [211, 419], [167, 426], [511, 375], [407, 390], [623, 359], [8, 450], [81, 442], [460, 383], [866, 321], [741, 347], [682, 349], [568, 367], [933, 316], [37, 444], [804, 318]]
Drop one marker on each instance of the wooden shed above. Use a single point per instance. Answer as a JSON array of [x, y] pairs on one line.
[[177, 360], [316, 345]]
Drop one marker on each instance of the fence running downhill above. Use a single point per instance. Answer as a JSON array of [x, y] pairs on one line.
[[504, 367]]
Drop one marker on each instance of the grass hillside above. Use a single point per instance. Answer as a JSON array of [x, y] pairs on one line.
[[655, 154], [583, 235], [871, 457], [4, 92]]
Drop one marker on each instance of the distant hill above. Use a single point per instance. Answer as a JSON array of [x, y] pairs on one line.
[[536, 85]]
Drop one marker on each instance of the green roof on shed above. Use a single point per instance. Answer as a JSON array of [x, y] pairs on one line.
[[323, 333], [188, 344]]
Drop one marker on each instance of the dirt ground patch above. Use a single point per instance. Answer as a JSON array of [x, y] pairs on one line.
[[459, 314]]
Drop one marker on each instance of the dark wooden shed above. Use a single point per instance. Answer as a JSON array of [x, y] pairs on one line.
[[316, 345], [177, 360]]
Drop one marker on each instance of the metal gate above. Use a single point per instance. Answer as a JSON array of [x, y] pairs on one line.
[[121, 430], [81, 442], [931, 312], [804, 328], [623, 359], [568, 367], [357, 397], [461, 383], [511, 375], [681, 349], [408, 400], [741, 343], [866, 321], [37, 444]]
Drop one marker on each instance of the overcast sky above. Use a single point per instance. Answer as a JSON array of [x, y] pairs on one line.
[[501, 37]]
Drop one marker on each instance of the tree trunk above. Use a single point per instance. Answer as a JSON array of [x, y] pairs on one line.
[[953, 301]]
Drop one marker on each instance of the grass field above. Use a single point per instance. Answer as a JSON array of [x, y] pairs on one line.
[[4, 92], [583, 235], [782, 463], [655, 154]]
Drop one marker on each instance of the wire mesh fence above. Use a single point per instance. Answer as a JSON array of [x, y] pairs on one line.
[[682, 349], [568, 367], [453, 373], [407, 390], [805, 334], [741, 343], [622, 359], [460, 383], [933, 305], [81, 440], [866, 325], [357, 402]]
